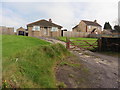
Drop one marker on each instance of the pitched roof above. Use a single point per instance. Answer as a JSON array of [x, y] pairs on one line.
[[75, 27], [44, 23], [21, 29], [91, 23]]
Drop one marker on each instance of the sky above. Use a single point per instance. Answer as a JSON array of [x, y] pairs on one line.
[[119, 13], [65, 13]]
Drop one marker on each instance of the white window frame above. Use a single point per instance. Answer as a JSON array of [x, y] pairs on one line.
[[36, 28], [89, 27], [53, 29]]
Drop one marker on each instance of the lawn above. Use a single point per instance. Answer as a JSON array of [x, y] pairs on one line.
[[12, 44], [80, 41], [29, 62]]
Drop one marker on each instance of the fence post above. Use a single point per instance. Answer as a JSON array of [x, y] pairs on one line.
[[100, 44], [67, 43]]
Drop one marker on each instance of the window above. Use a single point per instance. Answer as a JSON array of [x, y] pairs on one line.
[[54, 29], [89, 27], [36, 28]]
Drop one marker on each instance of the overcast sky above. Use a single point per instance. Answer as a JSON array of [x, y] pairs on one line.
[[67, 14]]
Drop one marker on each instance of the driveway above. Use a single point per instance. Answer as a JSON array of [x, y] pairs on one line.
[[103, 68]]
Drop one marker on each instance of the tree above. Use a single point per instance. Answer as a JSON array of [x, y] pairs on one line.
[[117, 28], [107, 26]]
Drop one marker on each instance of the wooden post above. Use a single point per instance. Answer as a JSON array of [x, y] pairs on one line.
[[67, 43], [100, 44]]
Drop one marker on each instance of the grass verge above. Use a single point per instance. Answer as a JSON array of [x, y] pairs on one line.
[[34, 67], [29, 62]]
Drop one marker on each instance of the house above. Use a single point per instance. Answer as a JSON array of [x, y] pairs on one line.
[[88, 26], [6, 30], [44, 28], [22, 31]]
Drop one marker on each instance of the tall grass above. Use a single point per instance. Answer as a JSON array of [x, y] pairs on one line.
[[33, 67]]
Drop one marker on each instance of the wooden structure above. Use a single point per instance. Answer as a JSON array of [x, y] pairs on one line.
[[102, 44], [84, 44], [109, 44]]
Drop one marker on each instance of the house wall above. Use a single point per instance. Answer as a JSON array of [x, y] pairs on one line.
[[98, 29], [42, 31], [36, 33], [30, 31], [55, 33], [82, 26], [76, 29], [45, 32], [6, 30]]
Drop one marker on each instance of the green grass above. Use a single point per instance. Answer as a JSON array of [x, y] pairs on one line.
[[12, 44], [32, 66], [75, 40]]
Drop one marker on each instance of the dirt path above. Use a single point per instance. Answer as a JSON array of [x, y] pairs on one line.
[[103, 69], [51, 40]]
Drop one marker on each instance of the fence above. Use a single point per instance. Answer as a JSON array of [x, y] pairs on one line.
[[75, 34], [86, 34], [101, 44]]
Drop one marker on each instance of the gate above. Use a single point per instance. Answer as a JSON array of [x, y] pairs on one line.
[[83, 44]]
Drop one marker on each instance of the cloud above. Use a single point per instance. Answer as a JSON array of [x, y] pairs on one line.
[[67, 14], [11, 19], [19, 13], [59, 0], [103, 12], [119, 13], [61, 14]]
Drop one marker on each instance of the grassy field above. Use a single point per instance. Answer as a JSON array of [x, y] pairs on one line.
[[29, 62], [76, 41], [12, 44]]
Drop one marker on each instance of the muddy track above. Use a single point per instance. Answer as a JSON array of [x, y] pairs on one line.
[[103, 69]]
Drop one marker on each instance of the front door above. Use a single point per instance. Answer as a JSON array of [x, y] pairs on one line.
[[45, 32]]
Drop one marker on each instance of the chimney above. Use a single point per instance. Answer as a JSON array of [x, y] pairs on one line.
[[95, 21], [50, 20]]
